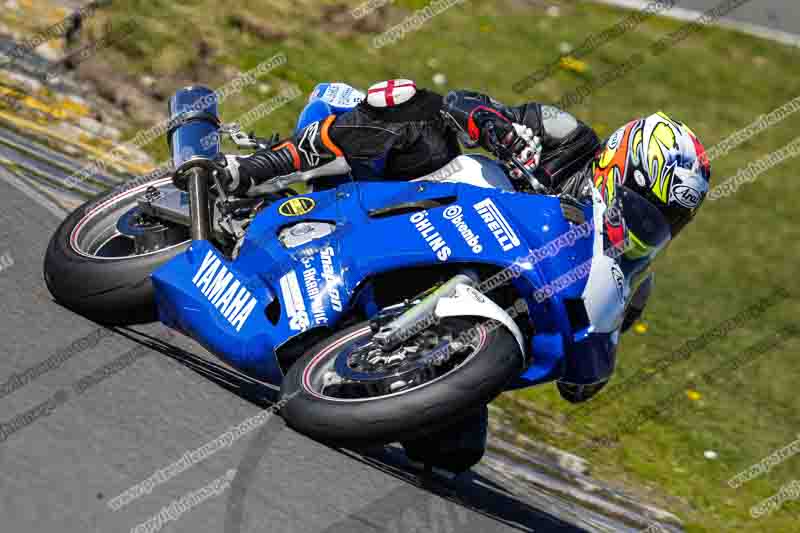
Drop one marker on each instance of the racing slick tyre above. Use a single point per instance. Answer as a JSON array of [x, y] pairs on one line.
[[99, 260], [346, 392]]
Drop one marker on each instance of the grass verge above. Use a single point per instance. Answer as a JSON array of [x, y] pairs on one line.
[[739, 250]]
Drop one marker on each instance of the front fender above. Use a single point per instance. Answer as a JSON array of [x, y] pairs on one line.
[[467, 301]]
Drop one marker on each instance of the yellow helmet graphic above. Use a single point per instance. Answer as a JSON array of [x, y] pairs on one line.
[[662, 160]]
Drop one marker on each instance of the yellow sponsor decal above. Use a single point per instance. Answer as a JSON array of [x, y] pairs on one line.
[[295, 207]]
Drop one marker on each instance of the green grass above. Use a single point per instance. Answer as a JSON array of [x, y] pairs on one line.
[[739, 249]]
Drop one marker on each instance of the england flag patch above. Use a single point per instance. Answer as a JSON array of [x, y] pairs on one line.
[[391, 93]]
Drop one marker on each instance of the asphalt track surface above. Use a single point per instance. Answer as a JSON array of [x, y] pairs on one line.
[[83, 447], [776, 20], [780, 15]]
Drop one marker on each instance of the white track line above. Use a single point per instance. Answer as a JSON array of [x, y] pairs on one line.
[[681, 13], [33, 194]]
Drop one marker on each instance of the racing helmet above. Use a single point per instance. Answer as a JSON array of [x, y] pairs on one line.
[[661, 160]]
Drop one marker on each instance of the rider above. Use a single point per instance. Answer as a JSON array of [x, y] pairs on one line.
[[399, 132]]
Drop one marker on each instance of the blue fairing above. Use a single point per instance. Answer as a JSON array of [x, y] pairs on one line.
[[223, 304]]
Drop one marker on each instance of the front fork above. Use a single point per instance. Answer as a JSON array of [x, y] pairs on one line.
[[456, 297], [199, 210], [419, 317]]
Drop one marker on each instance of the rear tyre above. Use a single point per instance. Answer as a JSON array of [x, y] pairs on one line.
[[348, 415], [95, 270]]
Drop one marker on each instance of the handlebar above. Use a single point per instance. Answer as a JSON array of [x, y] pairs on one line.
[[502, 153], [247, 140]]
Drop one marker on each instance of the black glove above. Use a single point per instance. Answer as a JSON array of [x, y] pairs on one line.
[[481, 121], [517, 146], [242, 173], [230, 177], [500, 138]]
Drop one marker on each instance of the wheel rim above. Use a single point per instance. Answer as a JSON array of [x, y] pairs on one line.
[[334, 362], [97, 235]]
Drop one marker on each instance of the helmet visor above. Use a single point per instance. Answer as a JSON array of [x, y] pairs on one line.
[[648, 229]]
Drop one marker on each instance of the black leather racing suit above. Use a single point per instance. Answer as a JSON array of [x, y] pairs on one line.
[[422, 135]]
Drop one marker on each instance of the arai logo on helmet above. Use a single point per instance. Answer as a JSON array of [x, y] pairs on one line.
[[689, 192], [688, 197]]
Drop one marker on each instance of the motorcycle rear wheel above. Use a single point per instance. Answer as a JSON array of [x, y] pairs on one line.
[[94, 270], [423, 409]]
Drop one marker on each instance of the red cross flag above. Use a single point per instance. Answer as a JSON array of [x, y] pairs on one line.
[[391, 93]]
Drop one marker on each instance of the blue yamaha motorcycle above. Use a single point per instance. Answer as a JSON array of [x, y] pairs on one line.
[[383, 311]]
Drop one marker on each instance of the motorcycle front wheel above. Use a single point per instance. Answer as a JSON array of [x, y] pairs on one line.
[[348, 392]]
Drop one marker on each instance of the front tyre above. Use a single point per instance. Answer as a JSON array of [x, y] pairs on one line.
[[348, 393], [100, 258]]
